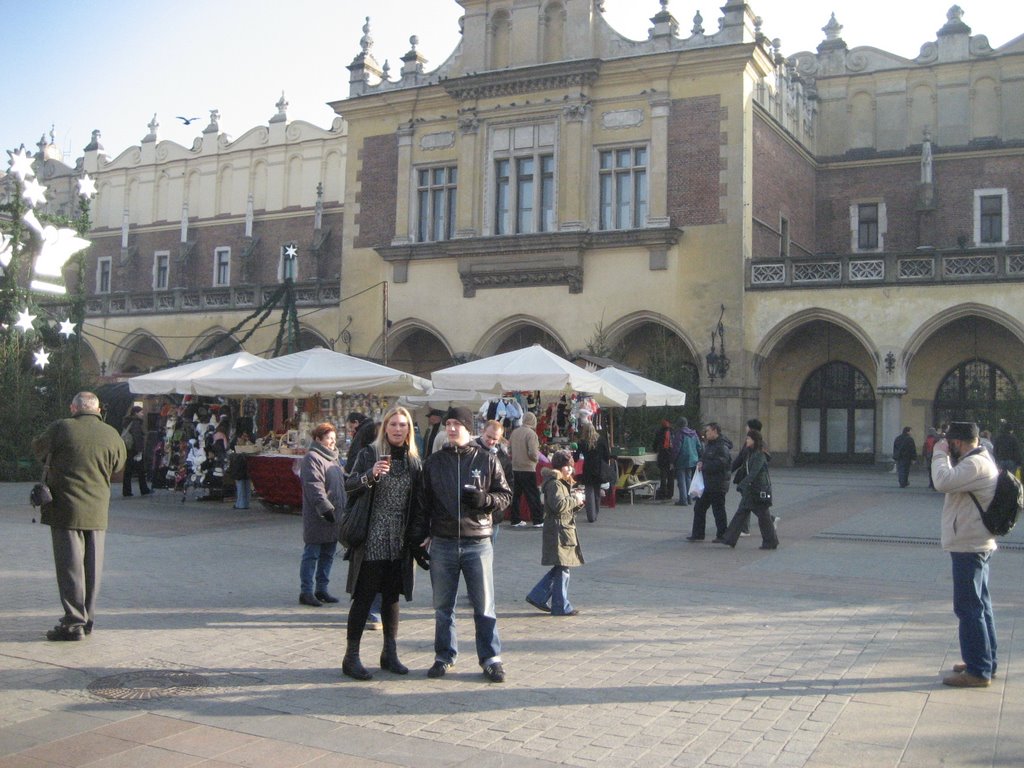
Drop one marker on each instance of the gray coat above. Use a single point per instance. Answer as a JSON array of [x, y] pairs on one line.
[[560, 545], [323, 490]]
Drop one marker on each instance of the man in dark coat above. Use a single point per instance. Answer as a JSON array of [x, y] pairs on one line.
[[715, 465], [136, 463], [362, 431], [434, 420], [83, 453], [904, 453]]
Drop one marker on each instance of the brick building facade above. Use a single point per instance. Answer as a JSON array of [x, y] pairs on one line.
[[857, 214]]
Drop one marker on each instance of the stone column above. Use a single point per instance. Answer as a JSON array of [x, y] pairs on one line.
[[404, 225], [657, 180], [891, 422]]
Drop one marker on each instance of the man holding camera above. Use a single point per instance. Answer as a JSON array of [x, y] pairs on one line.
[[83, 452], [461, 487], [960, 469]]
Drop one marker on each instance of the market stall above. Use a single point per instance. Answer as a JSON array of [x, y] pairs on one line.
[[273, 463]]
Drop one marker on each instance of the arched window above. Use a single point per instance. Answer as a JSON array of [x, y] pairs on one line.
[[501, 35], [837, 415], [976, 390]]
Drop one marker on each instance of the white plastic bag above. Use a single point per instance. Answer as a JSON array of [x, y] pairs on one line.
[[696, 485]]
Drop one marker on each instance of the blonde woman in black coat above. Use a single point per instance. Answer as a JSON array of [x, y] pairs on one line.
[[384, 475]]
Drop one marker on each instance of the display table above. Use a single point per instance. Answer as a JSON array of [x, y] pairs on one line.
[[275, 478], [632, 478]]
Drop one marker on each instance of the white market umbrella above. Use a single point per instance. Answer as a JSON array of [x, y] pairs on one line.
[[181, 379], [444, 398], [307, 373], [642, 391], [532, 368]]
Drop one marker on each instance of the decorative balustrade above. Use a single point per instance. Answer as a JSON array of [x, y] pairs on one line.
[[176, 300], [889, 269]]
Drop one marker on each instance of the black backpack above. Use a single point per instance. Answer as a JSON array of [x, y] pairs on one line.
[[1007, 505]]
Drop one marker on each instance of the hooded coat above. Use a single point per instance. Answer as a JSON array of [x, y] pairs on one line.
[[560, 545]]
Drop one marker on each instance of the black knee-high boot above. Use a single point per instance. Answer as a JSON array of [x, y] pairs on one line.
[[351, 665], [389, 656]]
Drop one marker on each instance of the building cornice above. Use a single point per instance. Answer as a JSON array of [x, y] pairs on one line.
[[511, 82]]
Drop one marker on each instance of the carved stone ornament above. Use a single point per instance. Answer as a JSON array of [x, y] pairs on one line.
[[439, 140], [622, 118]]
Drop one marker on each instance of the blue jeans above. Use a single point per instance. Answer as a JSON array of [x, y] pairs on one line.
[[683, 475], [474, 559], [973, 606], [242, 490], [554, 587], [317, 560]]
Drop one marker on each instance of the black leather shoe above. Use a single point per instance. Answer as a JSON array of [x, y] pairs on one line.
[[538, 606], [439, 669], [64, 632], [308, 599], [326, 597], [695, 538], [88, 627]]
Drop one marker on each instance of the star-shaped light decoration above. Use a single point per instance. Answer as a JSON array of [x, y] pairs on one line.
[[58, 246], [6, 250], [42, 358], [25, 321], [87, 186], [290, 251], [67, 329], [21, 164], [34, 192]]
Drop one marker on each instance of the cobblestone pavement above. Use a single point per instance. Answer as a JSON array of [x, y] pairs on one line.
[[826, 652]]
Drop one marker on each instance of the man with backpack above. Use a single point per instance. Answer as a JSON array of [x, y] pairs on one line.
[[965, 472]]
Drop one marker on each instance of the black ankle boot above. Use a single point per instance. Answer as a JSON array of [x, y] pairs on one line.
[[389, 658], [351, 665]]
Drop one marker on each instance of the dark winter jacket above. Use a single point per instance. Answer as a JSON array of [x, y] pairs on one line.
[[904, 449], [441, 510], [716, 463], [134, 425], [593, 459], [754, 481], [365, 434], [84, 452]]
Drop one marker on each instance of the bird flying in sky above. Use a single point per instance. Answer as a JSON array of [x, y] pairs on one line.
[[187, 120]]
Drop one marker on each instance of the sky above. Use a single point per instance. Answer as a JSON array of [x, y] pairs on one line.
[[79, 65]]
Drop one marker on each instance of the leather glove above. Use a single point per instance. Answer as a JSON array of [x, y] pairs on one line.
[[474, 498], [328, 516], [422, 558]]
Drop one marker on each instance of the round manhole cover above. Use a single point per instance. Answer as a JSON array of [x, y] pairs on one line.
[[147, 684]]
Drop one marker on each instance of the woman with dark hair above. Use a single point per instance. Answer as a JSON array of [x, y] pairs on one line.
[[384, 476], [595, 452], [561, 547], [755, 485], [323, 498]]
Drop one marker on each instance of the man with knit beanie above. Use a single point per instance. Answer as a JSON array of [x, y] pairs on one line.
[[461, 487], [524, 446]]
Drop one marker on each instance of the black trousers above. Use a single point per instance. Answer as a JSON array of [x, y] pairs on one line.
[[765, 521], [134, 467], [716, 501], [525, 484]]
